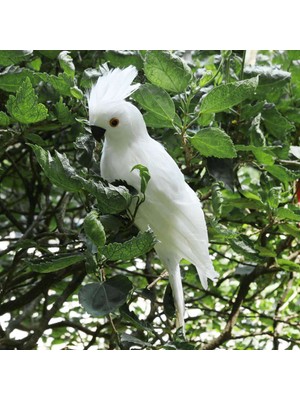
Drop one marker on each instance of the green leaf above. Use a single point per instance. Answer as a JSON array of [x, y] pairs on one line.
[[85, 145], [217, 199], [123, 59], [282, 173], [271, 80], [11, 57], [290, 229], [245, 247], [4, 119], [167, 71], [257, 137], [288, 265], [89, 76], [58, 169], [12, 77], [264, 155], [144, 175], [63, 113], [76, 92], [155, 100], [213, 142], [273, 197], [111, 199], [66, 63], [94, 230], [276, 123], [24, 107], [100, 299], [54, 263], [62, 83], [135, 247], [286, 213], [293, 54], [228, 95]]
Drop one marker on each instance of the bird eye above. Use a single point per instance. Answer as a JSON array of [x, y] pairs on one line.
[[114, 122]]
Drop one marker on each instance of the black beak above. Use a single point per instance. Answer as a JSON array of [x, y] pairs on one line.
[[97, 132]]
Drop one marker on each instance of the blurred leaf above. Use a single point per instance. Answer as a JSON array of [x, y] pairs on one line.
[[244, 246], [89, 76], [288, 265], [4, 119], [126, 338], [54, 263], [213, 142], [123, 59], [155, 100], [11, 57], [135, 247], [282, 173], [100, 299], [276, 123], [66, 63], [257, 137], [24, 107], [217, 199], [286, 213], [85, 145], [222, 170], [167, 71], [228, 95]]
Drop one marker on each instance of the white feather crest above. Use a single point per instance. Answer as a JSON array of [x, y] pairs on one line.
[[113, 85]]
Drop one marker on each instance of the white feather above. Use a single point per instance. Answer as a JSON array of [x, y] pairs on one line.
[[172, 209]]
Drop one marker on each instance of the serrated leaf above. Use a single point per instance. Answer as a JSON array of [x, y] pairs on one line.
[[89, 76], [155, 100], [100, 299], [213, 142], [282, 173], [24, 107], [167, 71], [111, 199], [228, 95], [54, 263], [63, 113], [66, 63], [135, 247], [12, 77], [217, 199], [11, 57], [58, 169]]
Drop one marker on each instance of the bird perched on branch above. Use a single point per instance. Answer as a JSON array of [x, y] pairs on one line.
[[171, 208]]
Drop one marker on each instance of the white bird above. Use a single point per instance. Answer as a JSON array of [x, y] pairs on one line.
[[171, 208]]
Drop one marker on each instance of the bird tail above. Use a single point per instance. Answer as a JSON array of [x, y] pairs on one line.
[[177, 290]]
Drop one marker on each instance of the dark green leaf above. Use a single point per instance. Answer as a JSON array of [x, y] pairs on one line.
[[100, 299], [167, 71], [58, 169], [228, 95], [54, 263], [155, 100], [168, 302], [111, 199], [288, 265], [286, 213], [217, 199], [213, 142], [12, 77], [135, 247], [4, 119], [24, 107], [85, 145], [282, 173]]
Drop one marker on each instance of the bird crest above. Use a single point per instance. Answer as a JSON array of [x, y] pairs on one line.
[[113, 85]]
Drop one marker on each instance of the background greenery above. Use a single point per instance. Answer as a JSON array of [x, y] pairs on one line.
[[76, 274]]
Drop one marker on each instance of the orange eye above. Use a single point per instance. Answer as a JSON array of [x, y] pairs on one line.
[[114, 122]]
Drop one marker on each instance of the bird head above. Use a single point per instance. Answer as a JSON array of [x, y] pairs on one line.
[[109, 113]]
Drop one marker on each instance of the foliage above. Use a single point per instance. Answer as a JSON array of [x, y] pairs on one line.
[[76, 273]]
